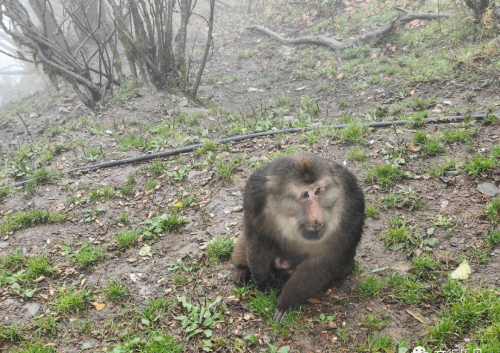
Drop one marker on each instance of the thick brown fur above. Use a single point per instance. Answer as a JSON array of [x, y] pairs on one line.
[[289, 243]]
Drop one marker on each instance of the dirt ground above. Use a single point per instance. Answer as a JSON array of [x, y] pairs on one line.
[[254, 83]]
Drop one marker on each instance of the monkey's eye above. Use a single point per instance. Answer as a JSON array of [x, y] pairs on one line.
[[317, 191], [304, 195]]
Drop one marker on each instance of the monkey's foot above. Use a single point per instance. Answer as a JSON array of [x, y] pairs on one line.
[[280, 314], [241, 274]]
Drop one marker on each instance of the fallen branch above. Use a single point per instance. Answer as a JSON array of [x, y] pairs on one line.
[[336, 45], [326, 41], [410, 16]]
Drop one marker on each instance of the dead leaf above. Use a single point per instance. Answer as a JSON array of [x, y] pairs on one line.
[[463, 271], [39, 279], [413, 148], [315, 301], [238, 67], [98, 306], [326, 63], [268, 55], [397, 31], [184, 103], [132, 260], [415, 316], [264, 65], [258, 40], [414, 22], [228, 81], [393, 48], [412, 92], [60, 166], [340, 77], [373, 56]]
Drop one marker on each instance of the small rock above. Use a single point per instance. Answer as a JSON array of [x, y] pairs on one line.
[[3, 244], [488, 189], [447, 102], [227, 211], [238, 208], [136, 276], [376, 51], [288, 118], [144, 291], [32, 308], [252, 89], [109, 132], [196, 174], [198, 238]]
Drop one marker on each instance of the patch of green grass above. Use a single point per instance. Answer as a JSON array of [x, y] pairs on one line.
[[126, 238], [71, 301], [342, 103], [31, 218], [357, 154], [263, 304], [153, 343], [370, 286], [220, 249], [385, 175], [419, 138], [151, 184], [374, 322], [11, 334], [37, 267], [130, 141], [409, 289], [93, 154], [179, 174], [45, 325], [43, 176], [354, 133], [474, 314], [433, 146], [417, 119], [300, 74], [283, 100], [163, 223], [495, 153], [126, 91], [372, 210], [398, 234], [492, 211], [115, 291], [4, 192], [225, 169], [391, 200], [30, 347], [208, 146], [156, 310], [123, 218], [479, 165], [106, 193], [246, 54], [13, 261], [86, 256], [449, 164], [97, 129], [462, 134], [493, 237], [424, 266], [127, 190], [158, 167]]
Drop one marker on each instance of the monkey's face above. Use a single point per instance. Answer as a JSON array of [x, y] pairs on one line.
[[306, 211]]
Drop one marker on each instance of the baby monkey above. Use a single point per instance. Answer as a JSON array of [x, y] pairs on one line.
[[303, 218]]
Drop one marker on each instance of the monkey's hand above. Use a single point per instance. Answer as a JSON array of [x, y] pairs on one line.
[[280, 314]]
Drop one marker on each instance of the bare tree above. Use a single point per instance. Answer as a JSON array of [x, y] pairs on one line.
[[83, 44]]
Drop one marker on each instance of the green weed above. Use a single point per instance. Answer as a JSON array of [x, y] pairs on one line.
[[71, 300], [126, 238], [220, 249], [31, 218], [384, 175], [86, 256], [115, 291]]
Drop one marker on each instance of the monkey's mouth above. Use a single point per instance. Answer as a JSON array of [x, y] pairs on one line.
[[312, 232]]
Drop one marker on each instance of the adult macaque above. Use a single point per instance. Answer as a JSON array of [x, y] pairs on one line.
[[303, 218]]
